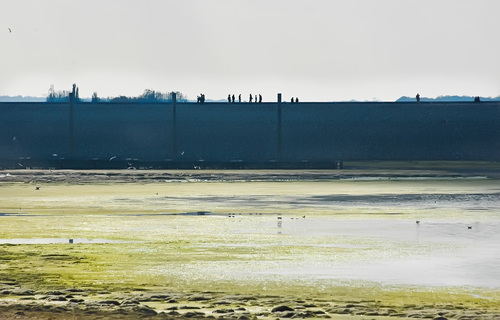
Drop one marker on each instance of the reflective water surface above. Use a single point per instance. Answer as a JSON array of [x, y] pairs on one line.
[[401, 232]]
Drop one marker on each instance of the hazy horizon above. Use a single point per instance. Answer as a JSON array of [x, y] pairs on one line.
[[453, 98]]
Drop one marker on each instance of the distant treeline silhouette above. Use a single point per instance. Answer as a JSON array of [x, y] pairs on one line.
[[149, 96], [60, 96], [447, 99]]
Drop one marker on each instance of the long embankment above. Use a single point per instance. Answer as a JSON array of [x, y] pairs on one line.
[[244, 135]]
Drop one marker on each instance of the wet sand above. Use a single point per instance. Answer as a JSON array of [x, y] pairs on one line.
[[352, 170], [249, 244]]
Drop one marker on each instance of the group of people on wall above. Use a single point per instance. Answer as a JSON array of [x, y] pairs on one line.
[[200, 98], [231, 98]]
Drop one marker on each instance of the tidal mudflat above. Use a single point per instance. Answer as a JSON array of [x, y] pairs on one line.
[[360, 244]]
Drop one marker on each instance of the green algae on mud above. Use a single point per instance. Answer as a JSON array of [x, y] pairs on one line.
[[201, 237]]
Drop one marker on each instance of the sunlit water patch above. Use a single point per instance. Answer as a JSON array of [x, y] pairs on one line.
[[388, 251]]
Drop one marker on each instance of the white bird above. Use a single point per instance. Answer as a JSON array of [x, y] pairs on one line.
[[112, 158]]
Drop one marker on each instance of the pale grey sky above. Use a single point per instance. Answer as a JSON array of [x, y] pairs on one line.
[[317, 50]]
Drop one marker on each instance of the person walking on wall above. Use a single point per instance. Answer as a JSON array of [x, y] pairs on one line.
[[260, 98], [239, 98], [250, 99], [417, 97], [201, 98], [232, 98]]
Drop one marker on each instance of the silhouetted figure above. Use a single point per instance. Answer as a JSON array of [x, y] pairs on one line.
[[232, 98], [229, 98], [256, 99], [250, 99], [260, 98], [296, 100], [477, 99], [201, 98], [417, 97], [293, 100], [239, 98]]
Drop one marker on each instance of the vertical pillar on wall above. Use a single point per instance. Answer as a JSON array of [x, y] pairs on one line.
[[73, 98], [174, 126], [278, 129], [71, 130]]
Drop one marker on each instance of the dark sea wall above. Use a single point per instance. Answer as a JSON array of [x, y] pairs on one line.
[[117, 135]]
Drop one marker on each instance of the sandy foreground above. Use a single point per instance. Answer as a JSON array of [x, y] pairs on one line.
[[247, 244]]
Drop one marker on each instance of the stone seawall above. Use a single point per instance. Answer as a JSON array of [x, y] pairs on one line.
[[186, 135]]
